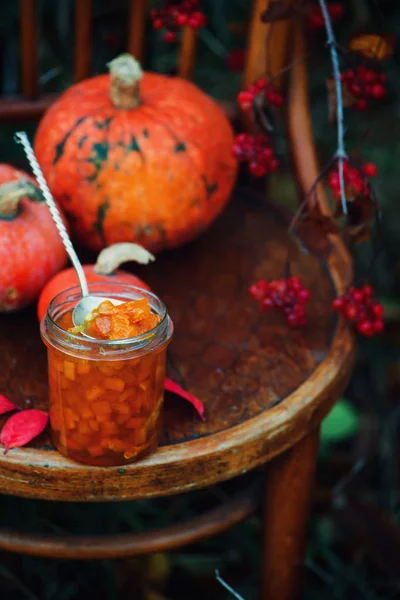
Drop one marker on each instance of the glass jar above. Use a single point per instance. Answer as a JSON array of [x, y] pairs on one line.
[[105, 396]]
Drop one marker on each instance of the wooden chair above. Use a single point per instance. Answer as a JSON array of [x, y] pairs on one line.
[[266, 388]]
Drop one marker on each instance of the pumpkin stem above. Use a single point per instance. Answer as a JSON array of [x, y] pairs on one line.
[[125, 75], [112, 257], [11, 194]]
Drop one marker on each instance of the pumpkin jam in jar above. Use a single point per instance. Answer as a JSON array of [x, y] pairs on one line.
[[106, 395]]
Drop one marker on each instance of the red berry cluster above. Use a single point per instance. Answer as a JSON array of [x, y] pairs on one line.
[[354, 181], [365, 84], [287, 295], [359, 306], [177, 14], [257, 151], [316, 19], [261, 86]]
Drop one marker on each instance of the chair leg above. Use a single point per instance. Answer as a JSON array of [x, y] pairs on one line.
[[287, 503]]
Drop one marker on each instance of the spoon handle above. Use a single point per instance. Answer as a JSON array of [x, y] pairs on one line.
[[22, 138]]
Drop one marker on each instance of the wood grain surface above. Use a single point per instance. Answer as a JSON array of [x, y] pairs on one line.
[[262, 383]]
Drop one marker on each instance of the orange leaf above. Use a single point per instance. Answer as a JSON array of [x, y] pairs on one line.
[[22, 427], [372, 45]]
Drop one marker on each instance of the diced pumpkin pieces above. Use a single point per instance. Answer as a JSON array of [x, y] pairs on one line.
[[116, 445], [110, 428], [120, 327], [117, 384], [82, 439], [102, 325], [86, 412], [131, 452], [83, 368], [135, 423], [140, 437], [69, 370], [121, 419], [94, 392], [72, 444], [84, 427], [102, 418], [96, 451], [94, 425], [101, 407], [106, 370], [70, 418], [64, 385], [118, 322], [106, 308], [122, 409]]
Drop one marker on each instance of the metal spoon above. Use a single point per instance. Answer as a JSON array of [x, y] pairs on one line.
[[87, 303]]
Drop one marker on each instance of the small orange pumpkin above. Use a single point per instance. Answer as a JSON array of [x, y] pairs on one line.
[[137, 157], [104, 271], [31, 250]]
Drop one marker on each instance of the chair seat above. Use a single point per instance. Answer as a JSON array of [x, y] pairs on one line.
[[263, 384]]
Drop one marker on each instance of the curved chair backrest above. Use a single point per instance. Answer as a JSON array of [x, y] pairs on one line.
[[30, 104]]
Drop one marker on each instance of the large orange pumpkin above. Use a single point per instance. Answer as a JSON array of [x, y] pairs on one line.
[[150, 163], [31, 250]]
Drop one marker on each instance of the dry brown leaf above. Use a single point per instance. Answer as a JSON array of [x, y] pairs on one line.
[[372, 45], [276, 11], [314, 232], [359, 234], [347, 98], [361, 218], [263, 115]]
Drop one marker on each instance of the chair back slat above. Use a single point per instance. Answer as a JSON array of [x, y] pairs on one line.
[[83, 39], [137, 28], [187, 53], [267, 46], [28, 45], [266, 51]]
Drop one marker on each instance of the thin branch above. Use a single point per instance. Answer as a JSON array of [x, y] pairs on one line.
[[290, 66], [311, 191], [227, 586], [340, 152]]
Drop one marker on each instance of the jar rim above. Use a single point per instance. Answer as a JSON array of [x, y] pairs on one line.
[[138, 340]]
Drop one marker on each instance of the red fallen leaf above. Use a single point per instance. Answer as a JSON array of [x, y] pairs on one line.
[[22, 427], [6, 406], [171, 386]]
